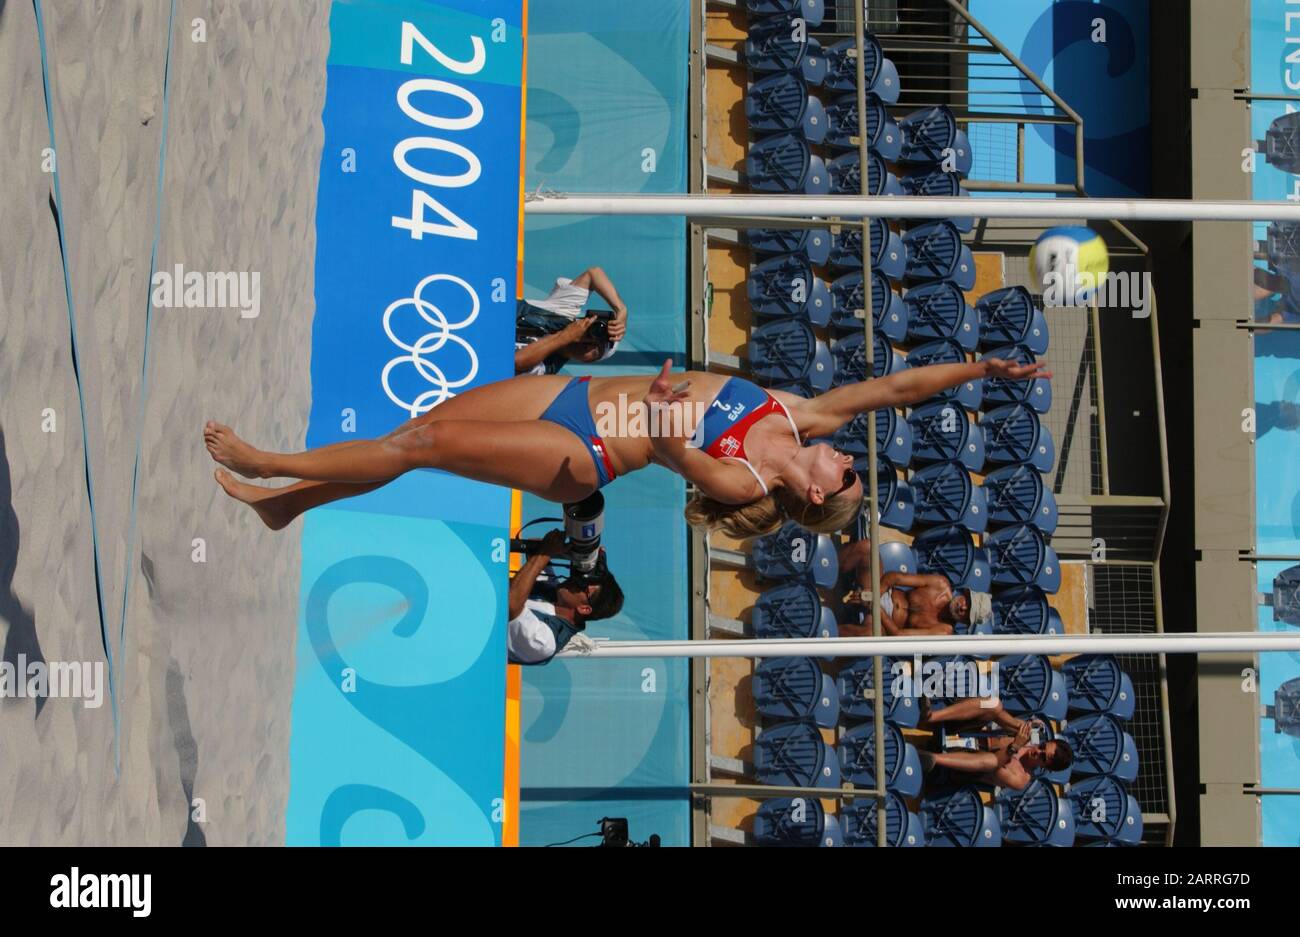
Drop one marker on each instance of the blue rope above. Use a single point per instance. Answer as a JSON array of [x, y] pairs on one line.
[[76, 371]]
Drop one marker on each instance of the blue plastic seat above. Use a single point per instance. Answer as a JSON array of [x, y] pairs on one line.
[[814, 244], [879, 72], [946, 494], [1020, 556], [846, 177], [939, 310], [851, 364], [1036, 816], [883, 135], [931, 134], [897, 557], [772, 47], [1282, 246], [895, 503], [857, 754], [794, 755], [1030, 687], [781, 287], [935, 252], [960, 819], [795, 553], [784, 163], [793, 610], [810, 11], [780, 103], [902, 827], [1025, 610], [787, 351], [1098, 685], [999, 391], [856, 685], [936, 183], [888, 252], [1017, 494], [1009, 317], [1101, 747], [942, 432], [796, 821], [946, 351], [1105, 810], [795, 688], [1015, 435], [949, 551], [893, 437], [889, 310]]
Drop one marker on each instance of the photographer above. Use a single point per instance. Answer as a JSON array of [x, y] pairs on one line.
[[544, 618], [549, 332]]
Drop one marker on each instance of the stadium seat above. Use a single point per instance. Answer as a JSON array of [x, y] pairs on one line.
[[795, 821], [1101, 747], [793, 610], [895, 503], [939, 310], [946, 494], [810, 11], [795, 553], [936, 183], [902, 827], [857, 754], [1017, 494], [1098, 685], [1030, 687], [842, 71], [856, 685], [786, 688], [1281, 143], [786, 351], [783, 164], [950, 552], [780, 103], [888, 252], [1015, 435], [851, 365], [883, 135], [960, 819], [785, 287], [946, 351], [1036, 816], [1020, 556], [1105, 810], [893, 437], [794, 755], [1025, 610], [772, 47], [890, 312], [999, 391], [930, 136], [814, 244], [896, 557], [1009, 317], [846, 177], [941, 431], [935, 252]]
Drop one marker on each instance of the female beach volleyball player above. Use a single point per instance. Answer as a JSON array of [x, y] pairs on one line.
[[746, 456]]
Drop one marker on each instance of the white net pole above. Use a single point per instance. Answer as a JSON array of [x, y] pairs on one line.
[[992, 645], [852, 206]]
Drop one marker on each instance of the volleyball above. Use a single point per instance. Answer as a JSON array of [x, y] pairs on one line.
[[1069, 262]]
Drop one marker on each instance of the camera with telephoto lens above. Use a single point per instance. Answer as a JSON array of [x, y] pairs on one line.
[[533, 322], [584, 522]]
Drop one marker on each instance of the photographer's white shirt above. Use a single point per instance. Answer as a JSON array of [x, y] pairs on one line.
[[566, 300], [528, 639]]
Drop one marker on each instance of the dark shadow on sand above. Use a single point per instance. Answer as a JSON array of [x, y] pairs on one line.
[[20, 634]]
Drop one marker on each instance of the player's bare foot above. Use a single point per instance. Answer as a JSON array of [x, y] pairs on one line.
[[262, 500], [231, 451]]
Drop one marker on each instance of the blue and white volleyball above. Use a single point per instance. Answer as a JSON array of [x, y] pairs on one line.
[[1069, 262]]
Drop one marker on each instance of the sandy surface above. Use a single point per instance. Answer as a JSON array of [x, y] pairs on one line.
[[205, 655]]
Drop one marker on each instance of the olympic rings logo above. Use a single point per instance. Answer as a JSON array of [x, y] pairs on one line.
[[428, 344]]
